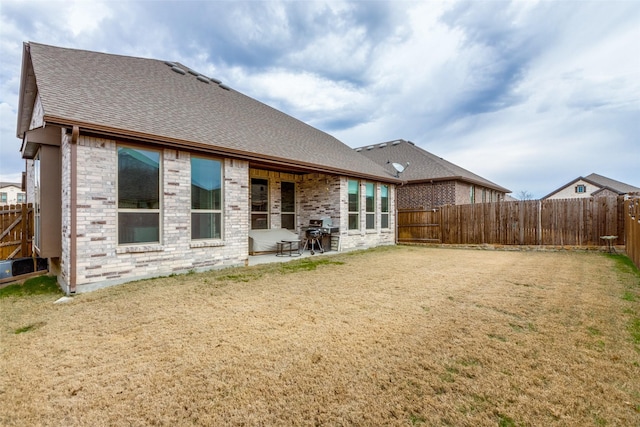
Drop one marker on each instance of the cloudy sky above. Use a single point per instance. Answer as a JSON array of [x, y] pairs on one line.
[[527, 94]]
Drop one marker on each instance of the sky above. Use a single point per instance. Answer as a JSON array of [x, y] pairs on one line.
[[527, 94]]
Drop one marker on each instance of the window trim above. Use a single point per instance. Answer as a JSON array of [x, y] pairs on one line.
[[355, 213], [370, 214], [384, 212], [265, 212], [159, 210], [283, 212], [206, 211]]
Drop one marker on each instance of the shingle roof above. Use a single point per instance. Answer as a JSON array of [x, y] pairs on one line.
[[167, 102], [602, 182], [423, 165], [618, 186]]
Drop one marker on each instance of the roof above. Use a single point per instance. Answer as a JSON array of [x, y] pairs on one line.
[[168, 103], [423, 165], [10, 184], [602, 182]]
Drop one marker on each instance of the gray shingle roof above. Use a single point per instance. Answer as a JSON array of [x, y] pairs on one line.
[[146, 98], [618, 186], [602, 182], [423, 165]]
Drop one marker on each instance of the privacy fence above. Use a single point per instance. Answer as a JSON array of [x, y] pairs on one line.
[[632, 229], [571, 222], [16, 231]]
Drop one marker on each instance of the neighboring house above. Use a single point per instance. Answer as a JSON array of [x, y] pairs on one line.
[[593, 185], [430, 181], [11, 194], [141, 167]]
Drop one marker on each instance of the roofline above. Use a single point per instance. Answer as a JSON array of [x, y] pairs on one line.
[[93, 128], [26, 53], [460, 178], [571, 183]]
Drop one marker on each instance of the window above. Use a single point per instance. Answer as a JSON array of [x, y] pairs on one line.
[[370, 205], [472, 194], [354, 205], [259, 204], [384, 206], [288, 205], [581, 188], [3, 197], [206, 199], [138, 196], [22, 198]]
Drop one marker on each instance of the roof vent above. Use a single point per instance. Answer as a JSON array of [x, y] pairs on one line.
[[370, 147], [170, 64], [203, 79], [359, 149], [384, 144], [223, 86], [396, 142], [178, 70], [193, 73], [216, 81]]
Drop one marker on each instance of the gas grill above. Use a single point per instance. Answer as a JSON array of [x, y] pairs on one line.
[[318, 233]]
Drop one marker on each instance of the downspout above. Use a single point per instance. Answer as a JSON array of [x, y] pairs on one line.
[[73, 227]]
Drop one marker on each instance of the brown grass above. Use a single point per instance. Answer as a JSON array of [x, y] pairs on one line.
[[395, 336]]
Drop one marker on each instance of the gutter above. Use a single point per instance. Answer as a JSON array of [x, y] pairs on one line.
[[73, 232], [173, 143]]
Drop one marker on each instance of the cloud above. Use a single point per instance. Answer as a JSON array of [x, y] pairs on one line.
[[527, 94]]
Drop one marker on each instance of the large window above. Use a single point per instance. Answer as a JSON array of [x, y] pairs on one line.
[[206, 198], [384, 206], [138, 196], [354, 205], [3, 197], [288, 205], [370, 205], [259, 203]]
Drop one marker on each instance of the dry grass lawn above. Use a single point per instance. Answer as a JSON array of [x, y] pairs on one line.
[[394, 336]]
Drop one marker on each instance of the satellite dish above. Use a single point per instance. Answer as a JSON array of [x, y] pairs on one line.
[[399, 168]]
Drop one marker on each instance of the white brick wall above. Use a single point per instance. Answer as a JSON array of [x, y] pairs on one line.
[[101, 262]]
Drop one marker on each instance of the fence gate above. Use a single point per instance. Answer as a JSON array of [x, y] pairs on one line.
[[419, 226], [16, 231]]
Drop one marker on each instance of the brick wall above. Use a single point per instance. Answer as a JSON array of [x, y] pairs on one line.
[[101, 262]]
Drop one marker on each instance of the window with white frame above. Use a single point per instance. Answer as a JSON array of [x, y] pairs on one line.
[[138, 195], [288, 205], [3, 197], [370, 205], [581, 188], [259, 204], [384, 206], [354, 204], [22, 198], [206, 198]]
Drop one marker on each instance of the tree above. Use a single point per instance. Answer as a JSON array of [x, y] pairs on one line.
[[524, 195]]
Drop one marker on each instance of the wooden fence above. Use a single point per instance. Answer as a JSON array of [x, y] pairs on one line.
[[632, 229], [571, 222], [16, 231]]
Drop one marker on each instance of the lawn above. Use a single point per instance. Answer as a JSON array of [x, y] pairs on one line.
[[400, 336]]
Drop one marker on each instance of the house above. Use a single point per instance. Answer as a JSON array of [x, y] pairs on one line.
[[11, 194], [142, 167], [593, 185], [429, 180]]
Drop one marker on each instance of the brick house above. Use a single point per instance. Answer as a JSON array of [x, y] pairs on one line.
[[141, 167], [593, 185], [429, 180]]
